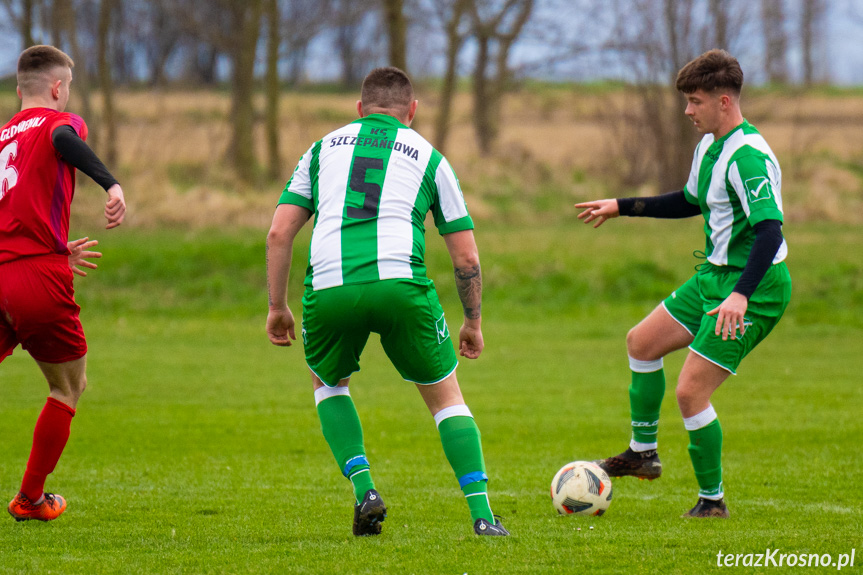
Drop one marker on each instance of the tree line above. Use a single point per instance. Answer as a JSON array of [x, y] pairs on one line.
[[254, 45]]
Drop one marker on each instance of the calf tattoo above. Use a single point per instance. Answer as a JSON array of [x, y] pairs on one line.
[[468, 282]]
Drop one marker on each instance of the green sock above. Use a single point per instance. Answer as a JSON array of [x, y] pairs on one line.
[[344, 434], [460, 438], [645, 399], [705, 450]]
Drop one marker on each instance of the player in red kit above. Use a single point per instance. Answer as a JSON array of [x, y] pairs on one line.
[[40, 149]]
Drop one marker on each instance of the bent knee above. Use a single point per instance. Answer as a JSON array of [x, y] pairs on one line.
[[640, 347]]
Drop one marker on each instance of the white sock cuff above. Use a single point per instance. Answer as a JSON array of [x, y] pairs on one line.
[[451, 411], [639, 366], [325, 392], [700, 420], [638, 446]]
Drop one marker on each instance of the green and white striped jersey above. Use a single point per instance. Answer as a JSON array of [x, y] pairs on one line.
[[371, 184], [737, 182]]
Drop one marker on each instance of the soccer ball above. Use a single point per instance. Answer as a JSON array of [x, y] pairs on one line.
[[581, 487]]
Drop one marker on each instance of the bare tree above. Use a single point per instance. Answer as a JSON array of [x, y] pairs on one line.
[[396, 33], [233, 28], [302, 21], [775, 40], [496, 26], [272, 88], [20, 13], [352, 27], [719, 15], [811, 36], [106, 81], [453, 15]]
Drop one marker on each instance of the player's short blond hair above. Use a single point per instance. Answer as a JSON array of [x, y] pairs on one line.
[[34, 65]]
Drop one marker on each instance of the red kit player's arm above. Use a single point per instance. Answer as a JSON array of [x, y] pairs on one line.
[[77, 153]]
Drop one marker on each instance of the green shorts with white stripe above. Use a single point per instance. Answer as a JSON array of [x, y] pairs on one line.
[[704, 291], [406, 313]]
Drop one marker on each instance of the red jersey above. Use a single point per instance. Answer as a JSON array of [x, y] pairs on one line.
[[36, 185]]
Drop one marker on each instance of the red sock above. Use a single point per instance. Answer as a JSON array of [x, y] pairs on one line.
[[49, 439]]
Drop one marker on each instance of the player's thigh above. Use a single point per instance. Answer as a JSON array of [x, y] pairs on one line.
[[335, 332], [40, 308], [414, 332], [699, 378], [669, 327]]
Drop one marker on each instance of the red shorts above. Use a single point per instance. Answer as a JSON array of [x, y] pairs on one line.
[[38, 310]]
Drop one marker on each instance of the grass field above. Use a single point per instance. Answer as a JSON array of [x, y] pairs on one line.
[[197, 449]]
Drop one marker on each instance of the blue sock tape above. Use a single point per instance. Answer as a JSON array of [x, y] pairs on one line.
[[355, 462], [471, 477]]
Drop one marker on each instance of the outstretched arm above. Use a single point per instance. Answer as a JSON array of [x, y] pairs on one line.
[[672, 205], [468, 281], [287, 222]]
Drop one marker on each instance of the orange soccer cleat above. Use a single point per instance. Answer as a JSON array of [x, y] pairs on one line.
[[22, 509]]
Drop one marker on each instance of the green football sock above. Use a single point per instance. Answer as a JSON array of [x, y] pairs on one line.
[[460, 438], [645, 399], [705, 450], [344, 434]]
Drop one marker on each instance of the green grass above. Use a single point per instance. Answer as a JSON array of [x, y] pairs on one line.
[[197, 449]]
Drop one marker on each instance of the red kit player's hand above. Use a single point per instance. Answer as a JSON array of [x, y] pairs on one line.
[[115, 207], [79, 253]]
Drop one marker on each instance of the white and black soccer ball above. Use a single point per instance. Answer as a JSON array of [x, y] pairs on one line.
[[581, 487]]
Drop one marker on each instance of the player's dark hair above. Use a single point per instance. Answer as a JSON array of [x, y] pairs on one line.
[[387, 88], [713, 70], [35, 61]]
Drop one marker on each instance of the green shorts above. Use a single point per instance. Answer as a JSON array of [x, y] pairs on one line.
[[704, 291], [405, 313]]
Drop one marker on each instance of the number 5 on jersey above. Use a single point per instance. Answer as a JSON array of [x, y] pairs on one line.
[[9, 176], [370, 190]]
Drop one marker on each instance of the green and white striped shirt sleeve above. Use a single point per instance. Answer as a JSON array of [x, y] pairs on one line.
[[450, 209], [298, 190]]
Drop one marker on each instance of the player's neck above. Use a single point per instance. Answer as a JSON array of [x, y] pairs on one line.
[[728, 123], [38, 102]]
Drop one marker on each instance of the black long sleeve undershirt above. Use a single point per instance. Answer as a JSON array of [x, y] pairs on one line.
[[672, 205], [77, 153], [768, 240], [768, 233]]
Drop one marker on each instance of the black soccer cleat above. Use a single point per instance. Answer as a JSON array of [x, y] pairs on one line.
[[483, 527], [369, 514], [708, 508], [641, 464]]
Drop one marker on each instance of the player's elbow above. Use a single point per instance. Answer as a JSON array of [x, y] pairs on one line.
[[278, 236], [466, 259]]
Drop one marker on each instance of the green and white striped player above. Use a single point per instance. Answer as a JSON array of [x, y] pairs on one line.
[[370, 185], [736, 298]]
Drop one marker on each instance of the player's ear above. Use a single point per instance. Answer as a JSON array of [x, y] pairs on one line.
[[360, 108], [55, 89], [18, 91], [412, 111]]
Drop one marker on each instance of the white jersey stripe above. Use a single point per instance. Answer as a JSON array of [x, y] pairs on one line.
[[325, 254], [398, 197]]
